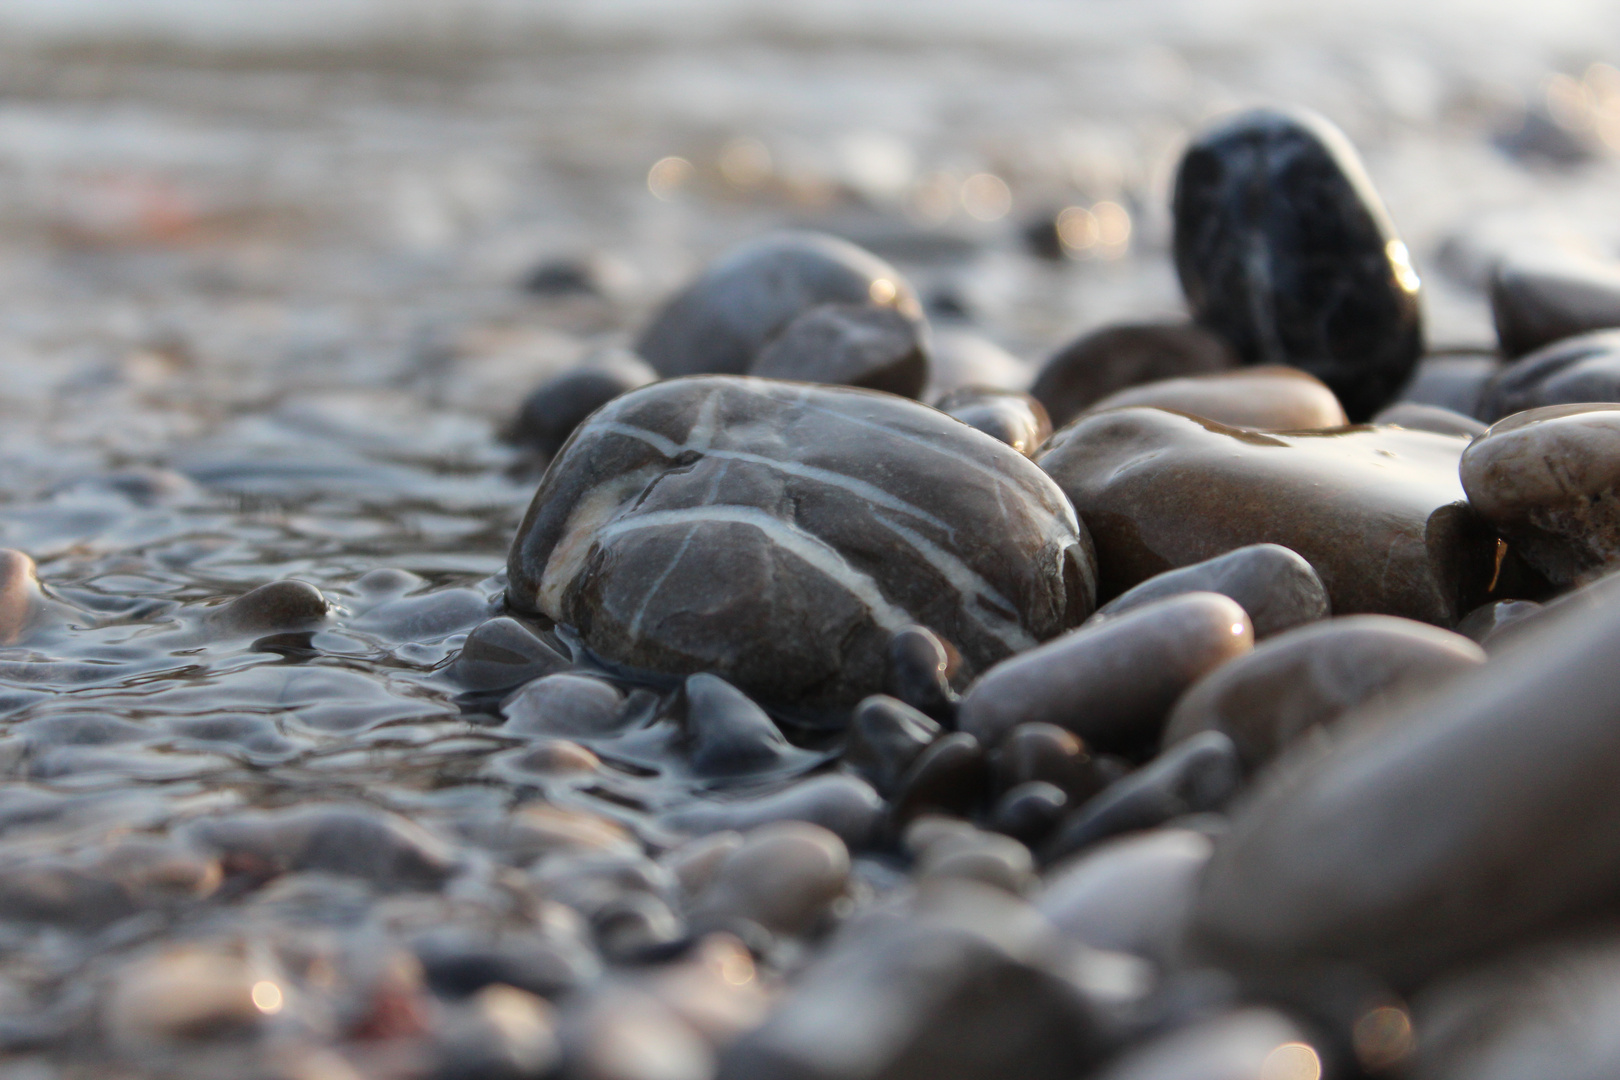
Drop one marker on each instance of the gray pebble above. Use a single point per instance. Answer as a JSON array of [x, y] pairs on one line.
[[576, 705], [1245, 1045], [730, 735], [555, 408], [863, 345], [1551, 295], [844, 805], [503, 653], [1275, 585], [278, 606], [885, 738], [782, 876], [1005, 415]]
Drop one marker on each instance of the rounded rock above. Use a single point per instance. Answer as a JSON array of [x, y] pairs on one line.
[[1267, 398], [1106, 361], [1005, 415], [851, 345], [1129, 895], [1568, 372], [278, 606], [559, 405], [886, 737], [573, 705], [782, 876], [1276, 586], [1546, 297], [730, 735]]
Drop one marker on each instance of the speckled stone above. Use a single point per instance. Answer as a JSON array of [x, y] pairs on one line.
[[1285, 250], [777, 534], [1549, 480], [1103, 362], [1378, 512], [1305, 680], [720, 322], [851, 345], [1441, 421], [1541, 298], [1268, 397], [1568, 372], [1006, 415], [557, 406], [1276, 586]]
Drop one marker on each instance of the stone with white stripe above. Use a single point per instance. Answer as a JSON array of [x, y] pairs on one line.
[[777, 534]]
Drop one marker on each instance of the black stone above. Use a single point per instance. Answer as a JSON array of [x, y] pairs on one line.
[[1284, 249], [885, 737], [920, 668], [551, 413], [950, 777], [851, 345], [1030, 811], [730, 735], [1008, 416], [1568, 372]]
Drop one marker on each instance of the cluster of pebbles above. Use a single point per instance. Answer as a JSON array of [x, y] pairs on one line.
[[1230, 702]]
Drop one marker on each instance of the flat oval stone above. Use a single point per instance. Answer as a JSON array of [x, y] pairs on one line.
[[730, 735], [781, 876], [279, 605], [777, 534], [557, 406], [1378, 512], [1276, 586], [1446, 827], [1452, 381], [852, 345], [1542, 298], [1284, 249], [1268, 397], [1103, 362], [720, 322], [1113, 683], [1005, 415], [502, 653], [1567, 372], [1549, 480], [1306, 679], [1409, 414]]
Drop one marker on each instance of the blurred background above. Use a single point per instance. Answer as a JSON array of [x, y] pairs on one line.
[[209, 205]]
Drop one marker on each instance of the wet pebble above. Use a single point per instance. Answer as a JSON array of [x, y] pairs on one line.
[[384, 849], [851, 345], [1540, 298], [460, 961], [729, 734], [1276, 587], [1027, 812], [22, 601], [278, 606], [782, 876], [555, 408], [1567, 372], [1285, 250], [1441, 421], [1008, 416], [627, 1034], [503, 1033], [1267, 398], [501, 654], [1107, 361], [844, 805], [973, 855], [886, 736], [1043, 752], [576, 705], [950, 776], [921, 666]]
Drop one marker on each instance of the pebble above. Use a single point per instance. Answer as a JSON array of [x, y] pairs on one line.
[[844, 805], [729, 734], [1486, 621], [1284, 249], [1249, 1044], [1114, 358], [385, 849], [557, 406], [1540, 298], [1300, 683], [1028, 812], [1378, 512], [277, 607], [1549, 480], [975, 855], [505, 1034], [885, 737], [636, 926], [1452, 381], [1449, 825], [1409, 414], [1112, 683], [851, 345], [430, 617], [1129, 895], [1567, 372], [1275, 586], [574, 705], [628, 1034], [921, 667], [1008, 416], [1041, 752], [1267, 398], [501, 654], [783, 876], [720, 322], [960, 358], [460, 961], [950, 776], [21, 599], [183, 993], [777, 534]]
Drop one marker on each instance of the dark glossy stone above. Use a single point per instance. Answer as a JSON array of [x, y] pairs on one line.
[[564, 704], [885, 738], [503, 653], [1378, 512], [950, 776], [1549, 480], [851, 345], [1131, 895], [1196, 775], [1269, 398], [1568, 372], [1452, 381], [1441, 421], [280, 605], [1303, 681], [1113, 683], [1276, 586], [560, 404], [1284, 249], [729, 734], [1546, 297], [1042, 752], [959, 358], [920, 670], [1103, 362], [1005, 415], [845, 805], [1444, 827], [777, 534], [720, 322], [1029, 811]]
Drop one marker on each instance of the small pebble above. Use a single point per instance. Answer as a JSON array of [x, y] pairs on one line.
[[186, 993], [1548, 296], [1045, 752], [1571, 371], [783, 876], [1029, 811], [921, 665], [849, 344], [1005, 415], [1276, 587], [278, 606], [950, 776], [559, 405], [501, 654], [1106, 361], [844, 805], [730, 735], [1266, 398], [885, 737], [572, 705], [1129, 895]]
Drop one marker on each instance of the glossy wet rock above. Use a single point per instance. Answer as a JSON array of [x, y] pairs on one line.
[[844, 805], [777, 535], [1409, 414], [1005, 415], [1047, 753], [851, 345], [280, 605], [1300, 683], [950, 776], [22, 602], [385, 849], [921, 669], [557, 406], [729, 735], [1546, 297], [1275, 586], [571, 705], [1285, 250], [975, 855], [1378, 512], [721, 321], [503, 653], [1268, 398], [1106, 361], [1131, 895], [1549, 480], [1567, 372], [886, 736], [1416, 842], [1113, 683], [782, 876], [1453, 381]]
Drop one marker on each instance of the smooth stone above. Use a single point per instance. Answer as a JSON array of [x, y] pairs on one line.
[[960, 358], [1378, 512], [950, 776], [1305, 680], [574, 705], [1449, 826], [1267, 398], [844, 805], [729, 734], [1113, 683], [1486, 621], [1113, 358], [1028, 812], [184, 993], [1250, 1044], [627, 1034], [1276, 586], [503, 653], [1542, 298], [850, 345], [720, 322], [696, 863], [278, 606], [634, 926], [21, 599], [385, 849], [782, 876], [557, 406], [777, 534], [920, 669], [1130, 895], [1005, 415], [886, 737], [502, 1033], [975, 855], [1452, 381], [1197, 775], [1046, 752], [1411, 415], [459, 961], [1568, 372], [1285, 250], [1549, 480]]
